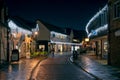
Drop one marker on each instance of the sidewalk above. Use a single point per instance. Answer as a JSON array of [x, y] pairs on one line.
[[98, 70], [21, 70]]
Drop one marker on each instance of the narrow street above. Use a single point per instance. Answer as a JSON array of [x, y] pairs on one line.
[[59, 40], [60, 68]]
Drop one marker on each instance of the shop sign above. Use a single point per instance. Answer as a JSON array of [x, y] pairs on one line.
[[117, 33]]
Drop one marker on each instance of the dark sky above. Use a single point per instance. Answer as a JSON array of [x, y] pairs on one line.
[[63, 13]]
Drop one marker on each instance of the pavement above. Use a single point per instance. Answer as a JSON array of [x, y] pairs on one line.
[[96, 68], [60, 68], [21, 70]]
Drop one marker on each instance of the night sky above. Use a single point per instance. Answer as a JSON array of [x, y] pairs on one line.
[[62, 13]]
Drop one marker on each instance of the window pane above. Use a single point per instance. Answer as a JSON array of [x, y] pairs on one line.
[[117, 10]]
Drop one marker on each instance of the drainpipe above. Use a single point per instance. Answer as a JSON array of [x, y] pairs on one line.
[[101, 48], [109, 48], [8, 54]]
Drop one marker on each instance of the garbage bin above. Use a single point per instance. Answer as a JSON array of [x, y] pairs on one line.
[[75, 55], [15, 55]]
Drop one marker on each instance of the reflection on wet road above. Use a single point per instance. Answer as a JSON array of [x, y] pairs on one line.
[[60, 68], [18, 71]]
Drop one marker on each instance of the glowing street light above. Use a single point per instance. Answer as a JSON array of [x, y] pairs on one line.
[[86, 39], [36, 33]]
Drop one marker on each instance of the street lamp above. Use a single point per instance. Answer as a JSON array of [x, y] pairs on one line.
[[36, 33], [86, 39]]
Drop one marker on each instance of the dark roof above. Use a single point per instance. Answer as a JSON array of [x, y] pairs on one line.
[[68, 31], [23, 23], [52, 27], [79, 34]]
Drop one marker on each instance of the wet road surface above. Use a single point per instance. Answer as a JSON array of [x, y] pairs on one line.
[[60, 68], [19, 70]]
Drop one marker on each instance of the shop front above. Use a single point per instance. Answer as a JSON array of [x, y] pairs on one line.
[[100, 47], [60, 42], [97, 30]]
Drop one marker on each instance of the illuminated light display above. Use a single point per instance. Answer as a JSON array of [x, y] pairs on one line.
[[56, 33], [94, 17], [15, 28], [75, 40], [105, 27], [65, 43], [37, 27], [35, 30], [98, 30]]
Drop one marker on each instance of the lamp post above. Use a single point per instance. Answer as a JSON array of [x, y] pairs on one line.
[[109, 39]]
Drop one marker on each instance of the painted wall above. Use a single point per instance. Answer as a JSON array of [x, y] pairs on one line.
[[43, 33]]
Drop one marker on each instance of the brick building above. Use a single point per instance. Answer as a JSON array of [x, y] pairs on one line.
[[4, 46], [96, 29], [114, 32]]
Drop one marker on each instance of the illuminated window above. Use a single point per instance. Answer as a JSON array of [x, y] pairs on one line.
[[117, 10]]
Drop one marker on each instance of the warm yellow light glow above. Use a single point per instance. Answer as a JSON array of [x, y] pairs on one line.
[[36, 33], [86, 39]]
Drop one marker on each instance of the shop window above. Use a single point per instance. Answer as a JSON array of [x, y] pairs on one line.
[[105, 54], [117, 10], [105, 47], [41, 47]]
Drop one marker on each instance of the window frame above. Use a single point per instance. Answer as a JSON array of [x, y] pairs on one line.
[[116, 10]]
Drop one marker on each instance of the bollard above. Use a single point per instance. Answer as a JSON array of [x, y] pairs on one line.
[[75, 55]]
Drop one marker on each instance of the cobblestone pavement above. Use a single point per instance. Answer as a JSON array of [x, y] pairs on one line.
[[19, 70], [103, 72]]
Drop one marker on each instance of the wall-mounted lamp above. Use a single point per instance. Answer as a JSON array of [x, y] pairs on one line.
[[86, 39], [36, 32]]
